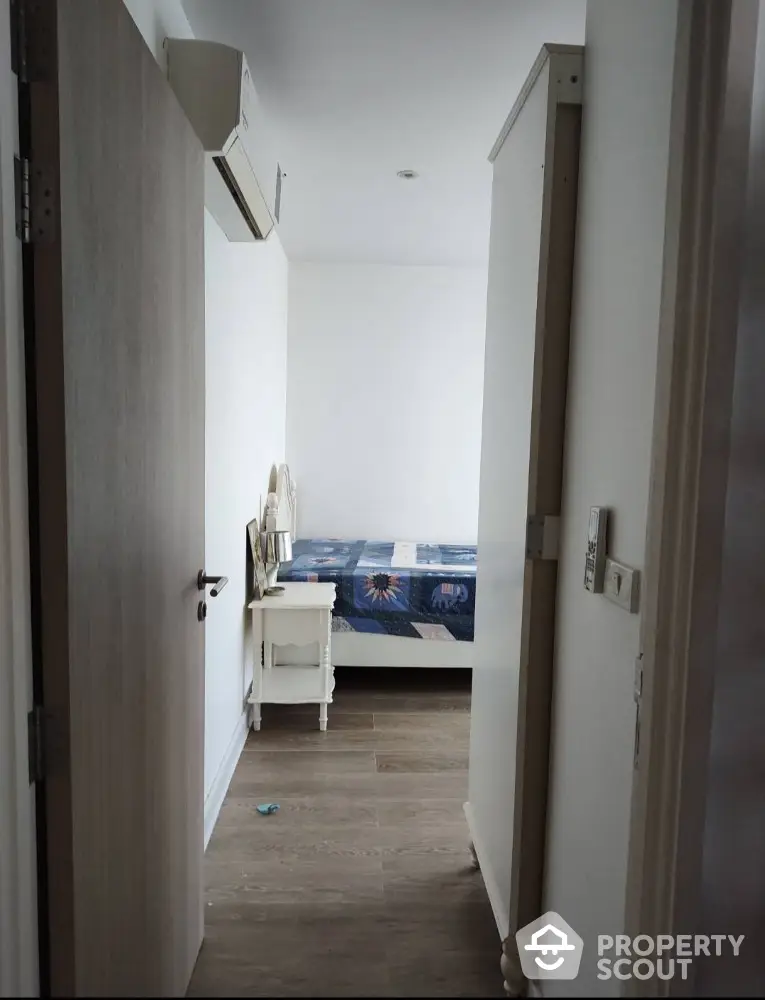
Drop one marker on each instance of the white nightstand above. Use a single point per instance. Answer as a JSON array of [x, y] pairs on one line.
[[299, 616]]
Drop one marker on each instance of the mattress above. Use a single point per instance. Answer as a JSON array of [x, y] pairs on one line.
[[414, 589]]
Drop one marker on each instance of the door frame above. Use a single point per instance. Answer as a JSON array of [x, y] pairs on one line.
[[19, 963], [709, 151]]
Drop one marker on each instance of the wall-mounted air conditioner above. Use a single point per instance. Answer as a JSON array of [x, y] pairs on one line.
[[214, 86]]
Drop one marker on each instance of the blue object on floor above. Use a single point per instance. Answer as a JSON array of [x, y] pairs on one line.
[[267, 808]]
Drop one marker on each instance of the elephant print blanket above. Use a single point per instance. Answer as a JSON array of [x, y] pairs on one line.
[[413, 589]]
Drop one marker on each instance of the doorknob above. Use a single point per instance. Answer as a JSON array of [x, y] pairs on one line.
[[218, 582]]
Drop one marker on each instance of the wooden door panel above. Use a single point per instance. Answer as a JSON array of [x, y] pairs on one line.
[[120, 406]]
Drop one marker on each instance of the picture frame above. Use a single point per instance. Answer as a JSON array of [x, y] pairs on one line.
[[256, 567]]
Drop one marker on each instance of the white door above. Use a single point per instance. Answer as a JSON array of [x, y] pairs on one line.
[[527, 330]]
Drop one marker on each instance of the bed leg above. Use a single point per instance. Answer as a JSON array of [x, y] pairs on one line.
[[323, 717], [256, 716]]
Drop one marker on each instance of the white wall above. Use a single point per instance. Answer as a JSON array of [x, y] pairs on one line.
[[158, 20], [245, 400], [18, 903], [246, 372], [385, 382], [620, 232], [733, 886]]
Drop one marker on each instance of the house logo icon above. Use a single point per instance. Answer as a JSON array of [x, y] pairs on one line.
[[549, 940], [549, 948]]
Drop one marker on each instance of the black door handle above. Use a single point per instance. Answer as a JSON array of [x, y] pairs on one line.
[[218, 582]]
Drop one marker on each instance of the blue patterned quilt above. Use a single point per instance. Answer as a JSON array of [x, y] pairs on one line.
[[422, 591]]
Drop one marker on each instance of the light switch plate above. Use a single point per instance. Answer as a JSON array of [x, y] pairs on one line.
[[621, 584]]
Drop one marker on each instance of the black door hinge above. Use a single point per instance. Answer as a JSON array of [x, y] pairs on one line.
[[36, 738], [35, 202], [30, 38], [21, 170]]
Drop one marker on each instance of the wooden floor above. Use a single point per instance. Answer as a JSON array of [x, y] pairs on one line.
[[361, 884]]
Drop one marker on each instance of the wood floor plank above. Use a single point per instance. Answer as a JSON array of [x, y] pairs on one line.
[[452, 840], [405, 814], [342, 937], [443, 785], [270, 763], [362, 883], [248, 975], [288, 847], [326, 880], [455, 725], [409, 763], [416, 741], [462, 928]]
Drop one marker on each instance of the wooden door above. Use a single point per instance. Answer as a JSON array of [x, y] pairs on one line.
[[18, 890], [527, 335], [115, 324]]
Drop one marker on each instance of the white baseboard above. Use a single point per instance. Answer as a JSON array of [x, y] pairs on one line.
[[222, 780], [498, 906]]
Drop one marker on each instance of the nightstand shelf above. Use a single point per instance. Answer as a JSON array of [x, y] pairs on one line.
[[301, 616]]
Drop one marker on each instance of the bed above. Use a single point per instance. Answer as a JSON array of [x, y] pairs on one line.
[[399, 604]]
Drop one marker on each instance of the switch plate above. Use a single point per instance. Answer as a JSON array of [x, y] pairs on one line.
[[621, 584]]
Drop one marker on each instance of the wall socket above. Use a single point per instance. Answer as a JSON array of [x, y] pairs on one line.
[[621, 584]]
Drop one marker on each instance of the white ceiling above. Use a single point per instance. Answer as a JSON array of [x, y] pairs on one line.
[[355, 90]]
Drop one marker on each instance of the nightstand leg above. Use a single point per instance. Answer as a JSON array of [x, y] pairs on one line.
[[256, 716], [326, 669]]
